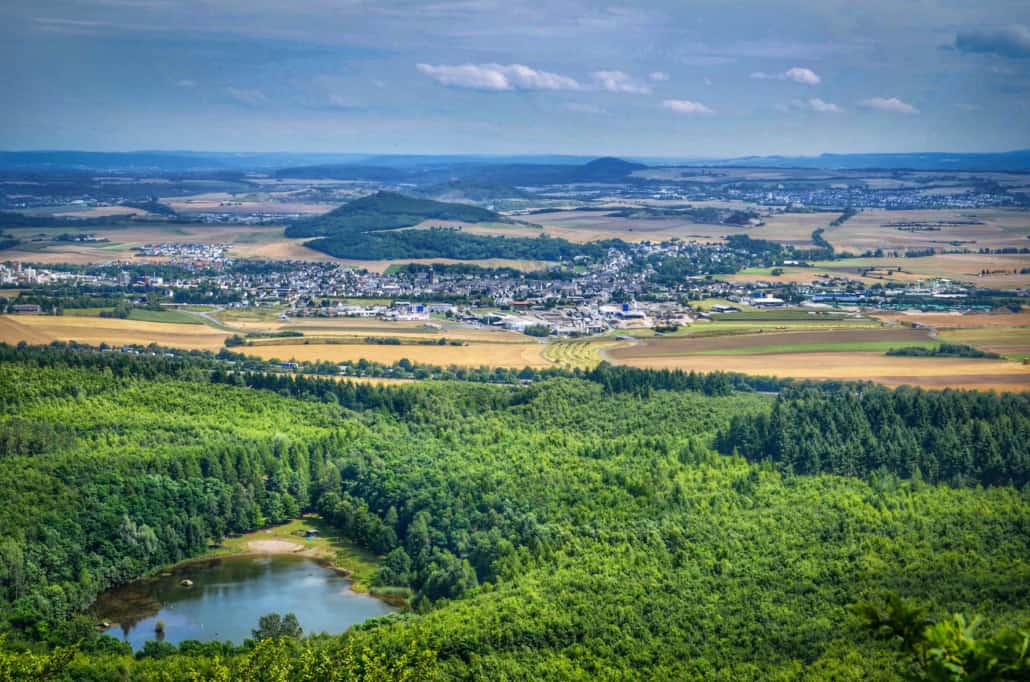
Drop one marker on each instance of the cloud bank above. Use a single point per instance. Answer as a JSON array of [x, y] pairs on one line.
[[889, 104], [617, 81], [813, 104], [797, 74], [685, 106], [497, 77]]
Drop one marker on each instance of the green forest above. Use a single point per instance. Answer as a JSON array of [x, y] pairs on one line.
[[620, 524]]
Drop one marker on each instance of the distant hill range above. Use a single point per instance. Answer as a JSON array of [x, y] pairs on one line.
[[1018, 160], [425, 170]]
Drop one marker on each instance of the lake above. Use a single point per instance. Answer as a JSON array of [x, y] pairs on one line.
[[229, 595]]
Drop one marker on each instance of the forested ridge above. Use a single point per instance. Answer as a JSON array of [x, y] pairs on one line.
[[957, 437], [576, 528], [372, 227]]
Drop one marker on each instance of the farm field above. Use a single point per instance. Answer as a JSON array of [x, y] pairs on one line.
[[959, 321], [1003, 269], [798, 275], [1012, 342], [760, 341], [43, 329], [248, 241], [264, 242], [974, 229], [583, 226], [832, 353], [580, 353], [792, 228], [509, 355], [362, 327], [1000, 375], [252, 202]]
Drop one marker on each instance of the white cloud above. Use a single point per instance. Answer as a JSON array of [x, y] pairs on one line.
[[251, 97], [796, 73], [685, 106], [889, 104], [186, 83], [658, 76], [617, 81], [800, 75], [497, 77]]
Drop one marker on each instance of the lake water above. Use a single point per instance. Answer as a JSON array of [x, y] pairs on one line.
[[229, 595]]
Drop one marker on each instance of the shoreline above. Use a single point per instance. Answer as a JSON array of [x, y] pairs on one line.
[[285, 540]]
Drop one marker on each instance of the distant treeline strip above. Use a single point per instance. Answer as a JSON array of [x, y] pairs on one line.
[[944, 350]]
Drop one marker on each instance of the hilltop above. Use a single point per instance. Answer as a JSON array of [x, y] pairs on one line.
[[371, 228]]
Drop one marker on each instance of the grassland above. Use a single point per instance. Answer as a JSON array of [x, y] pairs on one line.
[[165, 316]]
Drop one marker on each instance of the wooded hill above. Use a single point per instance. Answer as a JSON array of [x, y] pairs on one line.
[[373, 228]]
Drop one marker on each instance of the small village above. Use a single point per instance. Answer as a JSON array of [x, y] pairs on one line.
[[624, 290]]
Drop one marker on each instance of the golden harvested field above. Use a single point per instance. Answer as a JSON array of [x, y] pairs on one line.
[[114, 332], [792, 228], [582, 353], [873, 229], [471, 355], [1000, 375], [246, 241], [360, 328], [586, 226], [263, 202]]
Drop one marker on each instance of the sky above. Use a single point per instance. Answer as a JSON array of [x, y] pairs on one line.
[[677, 78]]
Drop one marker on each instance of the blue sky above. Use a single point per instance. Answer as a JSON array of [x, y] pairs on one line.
[[700, 78]]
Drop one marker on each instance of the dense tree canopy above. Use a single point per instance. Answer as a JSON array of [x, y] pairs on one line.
[[570, 528]]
